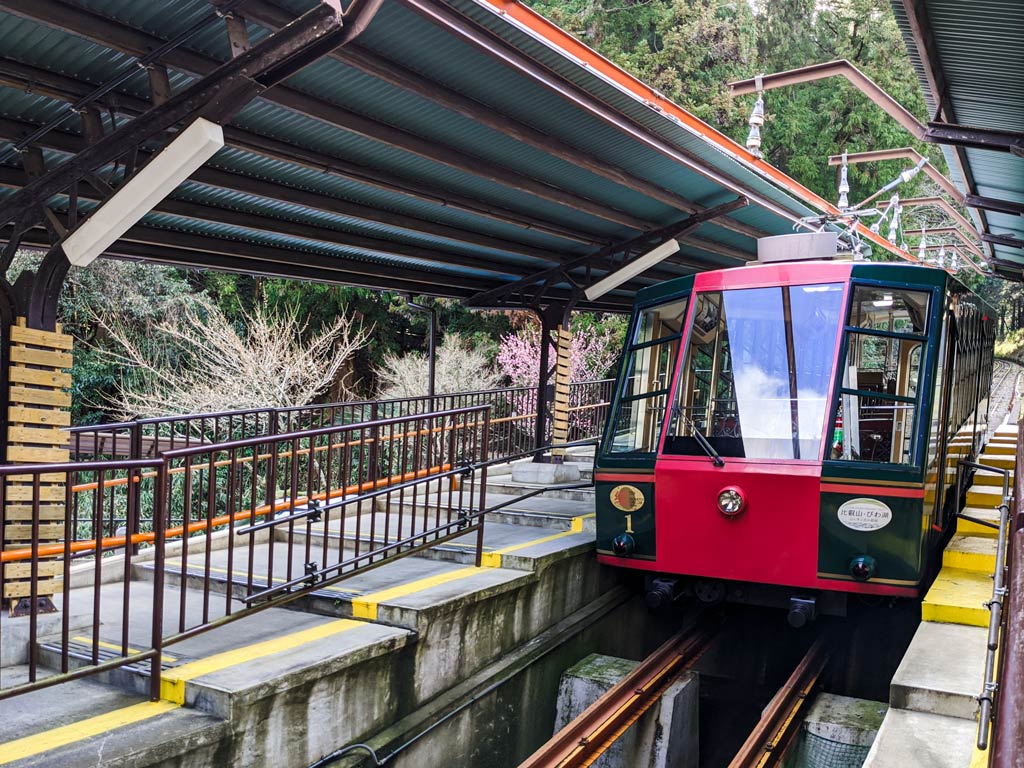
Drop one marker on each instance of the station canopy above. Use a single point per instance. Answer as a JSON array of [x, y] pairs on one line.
[[969, 57], [465, 149]]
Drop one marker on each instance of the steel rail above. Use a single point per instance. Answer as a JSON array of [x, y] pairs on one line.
[[584, 739], [767, 743]]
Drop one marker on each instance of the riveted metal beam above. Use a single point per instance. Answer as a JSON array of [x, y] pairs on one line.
[[603, 259], [992, 204], [1008, 240], [977, 138], [215, 97]]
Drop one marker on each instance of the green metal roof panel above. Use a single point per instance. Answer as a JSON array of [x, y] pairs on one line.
[[479, 77], [403, 37], [978, 50], [642, 113], [275, 209]]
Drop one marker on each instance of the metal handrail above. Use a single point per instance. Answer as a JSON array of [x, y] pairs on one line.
[[463, 442], [273, 414], [995, 606]]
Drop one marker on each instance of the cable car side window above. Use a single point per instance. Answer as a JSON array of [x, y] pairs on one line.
[[879, 396], [647, 375]]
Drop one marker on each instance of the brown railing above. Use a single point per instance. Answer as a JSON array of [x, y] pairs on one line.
[[249, 523], [513, 414]]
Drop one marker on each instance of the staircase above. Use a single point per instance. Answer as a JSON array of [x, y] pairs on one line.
[[932, 720]]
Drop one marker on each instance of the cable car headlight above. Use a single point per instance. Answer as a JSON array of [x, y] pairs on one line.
[[731, 501], [863, 567]]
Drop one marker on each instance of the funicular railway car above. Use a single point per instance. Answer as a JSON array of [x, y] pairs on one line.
[[781, 432]]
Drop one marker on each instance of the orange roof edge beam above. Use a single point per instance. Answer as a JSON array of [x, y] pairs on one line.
[[540, 28]]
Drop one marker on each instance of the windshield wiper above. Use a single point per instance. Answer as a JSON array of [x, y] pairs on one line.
[[709, 449], [702, 441]]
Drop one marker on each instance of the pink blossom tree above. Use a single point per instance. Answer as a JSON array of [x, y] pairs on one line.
[[594, 350], [593, 353]]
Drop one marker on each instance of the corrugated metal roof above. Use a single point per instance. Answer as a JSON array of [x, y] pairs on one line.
[[488, 205], [976, 48]]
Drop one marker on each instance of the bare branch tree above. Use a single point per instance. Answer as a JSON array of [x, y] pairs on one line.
[[459, 368], [197, 361]]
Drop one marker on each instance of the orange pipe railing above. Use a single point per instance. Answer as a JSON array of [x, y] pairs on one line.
[[119, 481], [116, 542]]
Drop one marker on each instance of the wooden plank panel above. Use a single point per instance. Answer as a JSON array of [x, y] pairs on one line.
[[45, 588], [57, 398], [23, 512], [41, 357], [24, 570], [17, 414], [39, 338], [46, 477], [24, 493], [48, 532], [38, 435], [32, 455], [20, 375]]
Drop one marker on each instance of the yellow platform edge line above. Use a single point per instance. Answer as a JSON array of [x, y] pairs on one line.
[[19, 749], [493, 559], [365, 606], [172, 681]]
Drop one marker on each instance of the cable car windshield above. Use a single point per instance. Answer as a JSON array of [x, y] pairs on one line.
[[757, 372]]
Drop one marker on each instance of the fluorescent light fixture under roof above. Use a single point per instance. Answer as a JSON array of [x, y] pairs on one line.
[[632, 269], [160, 176]]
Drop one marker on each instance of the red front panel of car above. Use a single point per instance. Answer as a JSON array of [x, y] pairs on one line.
[[773, 540]]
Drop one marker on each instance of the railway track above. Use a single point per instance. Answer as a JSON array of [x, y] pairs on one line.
[[587, 737], [767, 743], [584, 740]]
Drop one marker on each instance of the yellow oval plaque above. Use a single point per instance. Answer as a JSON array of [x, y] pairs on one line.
[[627, 498]]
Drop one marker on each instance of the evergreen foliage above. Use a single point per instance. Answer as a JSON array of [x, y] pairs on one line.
[[692, 49]]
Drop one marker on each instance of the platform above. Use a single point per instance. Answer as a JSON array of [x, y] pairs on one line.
[[275, 688]]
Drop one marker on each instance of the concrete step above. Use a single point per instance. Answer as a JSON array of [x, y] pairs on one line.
[[498, 536], [991, 478], [984, 496], [958, 597], [941, 673], [998, 460], [83, 722], [1003, 441], [558, 514], [910, 739], [968, 528], [1002, 449], [971, 553], [505, 487]]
